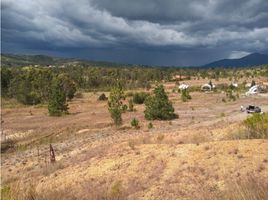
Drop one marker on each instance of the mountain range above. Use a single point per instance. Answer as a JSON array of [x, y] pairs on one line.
[[254, 59]]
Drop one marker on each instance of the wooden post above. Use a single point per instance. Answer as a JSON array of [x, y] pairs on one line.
[[38, 154], [52, 154]]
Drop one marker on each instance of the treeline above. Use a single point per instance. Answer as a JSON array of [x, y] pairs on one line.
[[31, 85]]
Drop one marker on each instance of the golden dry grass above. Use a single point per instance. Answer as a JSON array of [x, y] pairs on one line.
[[192, 157]]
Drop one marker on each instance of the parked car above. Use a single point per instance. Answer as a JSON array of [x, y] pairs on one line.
[[253, 109]]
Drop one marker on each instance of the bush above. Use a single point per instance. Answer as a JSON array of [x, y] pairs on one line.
[[185, 95], [150, 125], [159, 106], [135, 123], [140, 97], [230, 95], [102, 97], [257, 126]]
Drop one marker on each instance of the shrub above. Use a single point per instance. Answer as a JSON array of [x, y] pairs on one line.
[[102, 97], [257, 126], [124, 108], [57, 99], [150, 125], [230, 95], [115, 104], [185, 95], [135, 123], [140, 97], [158, 106]]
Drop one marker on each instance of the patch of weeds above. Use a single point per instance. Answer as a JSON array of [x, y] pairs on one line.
[[116, 191], [135, 123], [21, 147], [257, 126]]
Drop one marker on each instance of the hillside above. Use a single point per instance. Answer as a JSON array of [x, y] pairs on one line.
[[254, 59], [15, 60], [196, 156]]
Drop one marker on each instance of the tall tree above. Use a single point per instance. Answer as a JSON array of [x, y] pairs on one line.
[[57, 99], [115, 104]]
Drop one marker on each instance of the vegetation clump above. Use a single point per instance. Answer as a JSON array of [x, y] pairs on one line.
[[230, 95], [135, 123], [257, 126], [139, 98], [115, 104], [150, 125], [158, 106], [185, 95], [102, 97], [57, 104]]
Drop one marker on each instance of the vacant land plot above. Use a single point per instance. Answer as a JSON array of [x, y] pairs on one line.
[[195, 152]]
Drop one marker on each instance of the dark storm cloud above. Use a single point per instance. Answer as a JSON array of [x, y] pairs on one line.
[[172, 32]]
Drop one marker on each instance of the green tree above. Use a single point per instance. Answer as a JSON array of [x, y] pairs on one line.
[[68, 84], [57, 99], [158, 106], [115, 104]]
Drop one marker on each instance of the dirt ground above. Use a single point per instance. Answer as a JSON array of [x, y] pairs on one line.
[[169, 161]]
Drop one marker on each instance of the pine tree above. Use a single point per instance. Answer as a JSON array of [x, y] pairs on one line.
[[115, 104], [159, 106], [57, 99]]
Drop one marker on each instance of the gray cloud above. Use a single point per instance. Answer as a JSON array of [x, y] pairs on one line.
[[174, 31]]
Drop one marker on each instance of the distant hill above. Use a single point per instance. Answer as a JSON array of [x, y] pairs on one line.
[[15, 60], [254, 59]]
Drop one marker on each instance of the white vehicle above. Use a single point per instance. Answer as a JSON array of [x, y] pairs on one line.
[[253, 90], [183, 86]]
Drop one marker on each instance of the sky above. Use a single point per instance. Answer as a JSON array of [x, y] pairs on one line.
[[151, 32]]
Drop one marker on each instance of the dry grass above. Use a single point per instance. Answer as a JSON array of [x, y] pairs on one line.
[[173, 160]]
